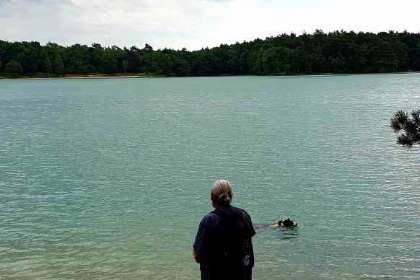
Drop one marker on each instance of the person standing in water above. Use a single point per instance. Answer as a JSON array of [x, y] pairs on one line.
[[223, 245]]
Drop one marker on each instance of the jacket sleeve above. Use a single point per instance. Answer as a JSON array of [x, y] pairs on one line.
[[248, 221], [201, 238]]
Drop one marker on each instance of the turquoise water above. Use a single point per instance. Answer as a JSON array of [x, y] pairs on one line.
[[108, 179]]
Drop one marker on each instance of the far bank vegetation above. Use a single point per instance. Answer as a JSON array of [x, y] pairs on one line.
[[337, 52]]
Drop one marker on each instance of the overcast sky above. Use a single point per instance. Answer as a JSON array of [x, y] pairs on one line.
[[194, 24]]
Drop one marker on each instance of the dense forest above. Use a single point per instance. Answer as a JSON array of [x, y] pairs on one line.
[[287, 54]]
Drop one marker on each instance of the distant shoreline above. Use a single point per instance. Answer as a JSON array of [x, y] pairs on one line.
[[144, 75], [90, 76], [337, 52]]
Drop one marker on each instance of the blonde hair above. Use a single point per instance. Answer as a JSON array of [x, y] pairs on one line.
[[222, 190]]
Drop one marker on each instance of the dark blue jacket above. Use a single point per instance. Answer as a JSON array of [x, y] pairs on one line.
[[224, 244]]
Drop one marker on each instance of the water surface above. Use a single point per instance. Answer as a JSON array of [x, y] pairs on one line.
[[108, 179]]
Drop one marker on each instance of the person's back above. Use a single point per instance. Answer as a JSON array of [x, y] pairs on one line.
[[223, 245]]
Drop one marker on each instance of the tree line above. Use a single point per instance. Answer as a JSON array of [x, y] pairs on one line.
[[336, 52]]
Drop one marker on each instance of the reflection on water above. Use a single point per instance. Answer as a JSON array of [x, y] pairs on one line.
[[259, 228], [283, 233], [289, 233]]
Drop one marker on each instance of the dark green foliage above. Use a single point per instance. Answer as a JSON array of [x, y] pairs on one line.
[[58, 65], [181, 67], [407, 127], [148, 48], [287, 54], [124, 65], [13, 68], [48, 66]]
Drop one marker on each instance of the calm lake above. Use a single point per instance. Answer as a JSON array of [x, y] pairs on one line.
[[108, 179]]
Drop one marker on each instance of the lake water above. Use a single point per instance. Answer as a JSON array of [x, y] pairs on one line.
[[108, 179]]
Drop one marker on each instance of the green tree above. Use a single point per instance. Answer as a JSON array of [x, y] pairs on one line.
[[13, 68], [48, 66], [124, 65], [181, 67], [58, 65], [334, 52], [165, 64], [407, 128], [96, 54], [148, 48], [109, 63]]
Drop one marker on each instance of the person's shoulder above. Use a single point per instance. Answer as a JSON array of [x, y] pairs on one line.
[[210, 218], [240, 210], [247, 218]]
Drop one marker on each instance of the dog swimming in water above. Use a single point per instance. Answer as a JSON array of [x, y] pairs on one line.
[[284, 224]]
